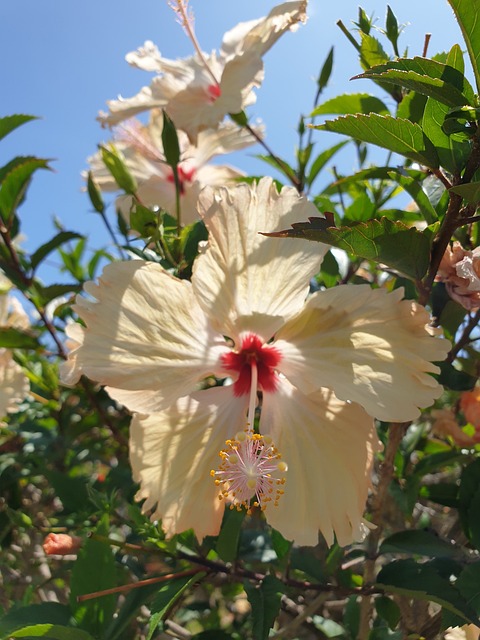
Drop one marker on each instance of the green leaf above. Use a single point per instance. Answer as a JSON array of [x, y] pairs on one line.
[[51, 632], [94, 570], [265, 602], [9, 123], [414, 189], [442, 492], [388, 610], [325, 72], [469, 502], [351, 103], [424, 581], [392, 243], [468, 583], [44, 295], [94, 194], [453, 154], [412, 107], [397, 135], [469, 192], [454, 379], [171, 147], [115, 162], [42, 252], [418, 542], [15, 185], [430, 77], [16, 339], [391, 29], [144, 220], [167, 596], [321, 160], [371, 51], [229, 536], [468, 16], [47, 612]]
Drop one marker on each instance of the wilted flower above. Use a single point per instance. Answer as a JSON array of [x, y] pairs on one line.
[[460, 271], [61, 544], [470, 405], [14, 385], [199, 91], [324, 364], [142, 149], [445, 424]]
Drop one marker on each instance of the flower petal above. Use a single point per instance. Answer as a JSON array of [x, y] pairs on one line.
[[329, 447], [367, 345], [146, 336], [246, 281], [173, 452], [14, 385]]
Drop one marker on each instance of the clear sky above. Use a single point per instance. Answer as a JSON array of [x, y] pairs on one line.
[[61, 60]]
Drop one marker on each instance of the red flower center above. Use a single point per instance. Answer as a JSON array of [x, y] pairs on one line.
[[213, 92], [184, 175], [253, 351]]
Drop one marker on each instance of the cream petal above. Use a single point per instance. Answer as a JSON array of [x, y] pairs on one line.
[[124, 108], [173, 452], [369, 346], [263, 33], [245, 281], [145, 333], [14, 385], [329, 447], [226, 138]]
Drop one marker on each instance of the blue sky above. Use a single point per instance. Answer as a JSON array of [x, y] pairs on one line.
[[61, 60]]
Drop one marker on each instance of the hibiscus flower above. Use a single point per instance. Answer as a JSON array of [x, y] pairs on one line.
[[325, 365], [142, 149], [199, 91]]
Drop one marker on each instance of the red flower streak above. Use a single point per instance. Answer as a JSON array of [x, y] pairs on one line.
[[266, 357]]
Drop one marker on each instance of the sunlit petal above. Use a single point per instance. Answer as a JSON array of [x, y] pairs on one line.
[[146, 333], [173, 452], [329, 447], [245, 281], [368, 346]]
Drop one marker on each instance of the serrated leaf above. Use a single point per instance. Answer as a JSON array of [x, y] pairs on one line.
[[11, 338], [392, 243], [166, 597], [430, 77], [468, 17], [351, 103], [51, 632], [42, 252], [397, 135], [424, 582], [418, 542], [265, 602], [116, 164], [10, 123], [15, 184]]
